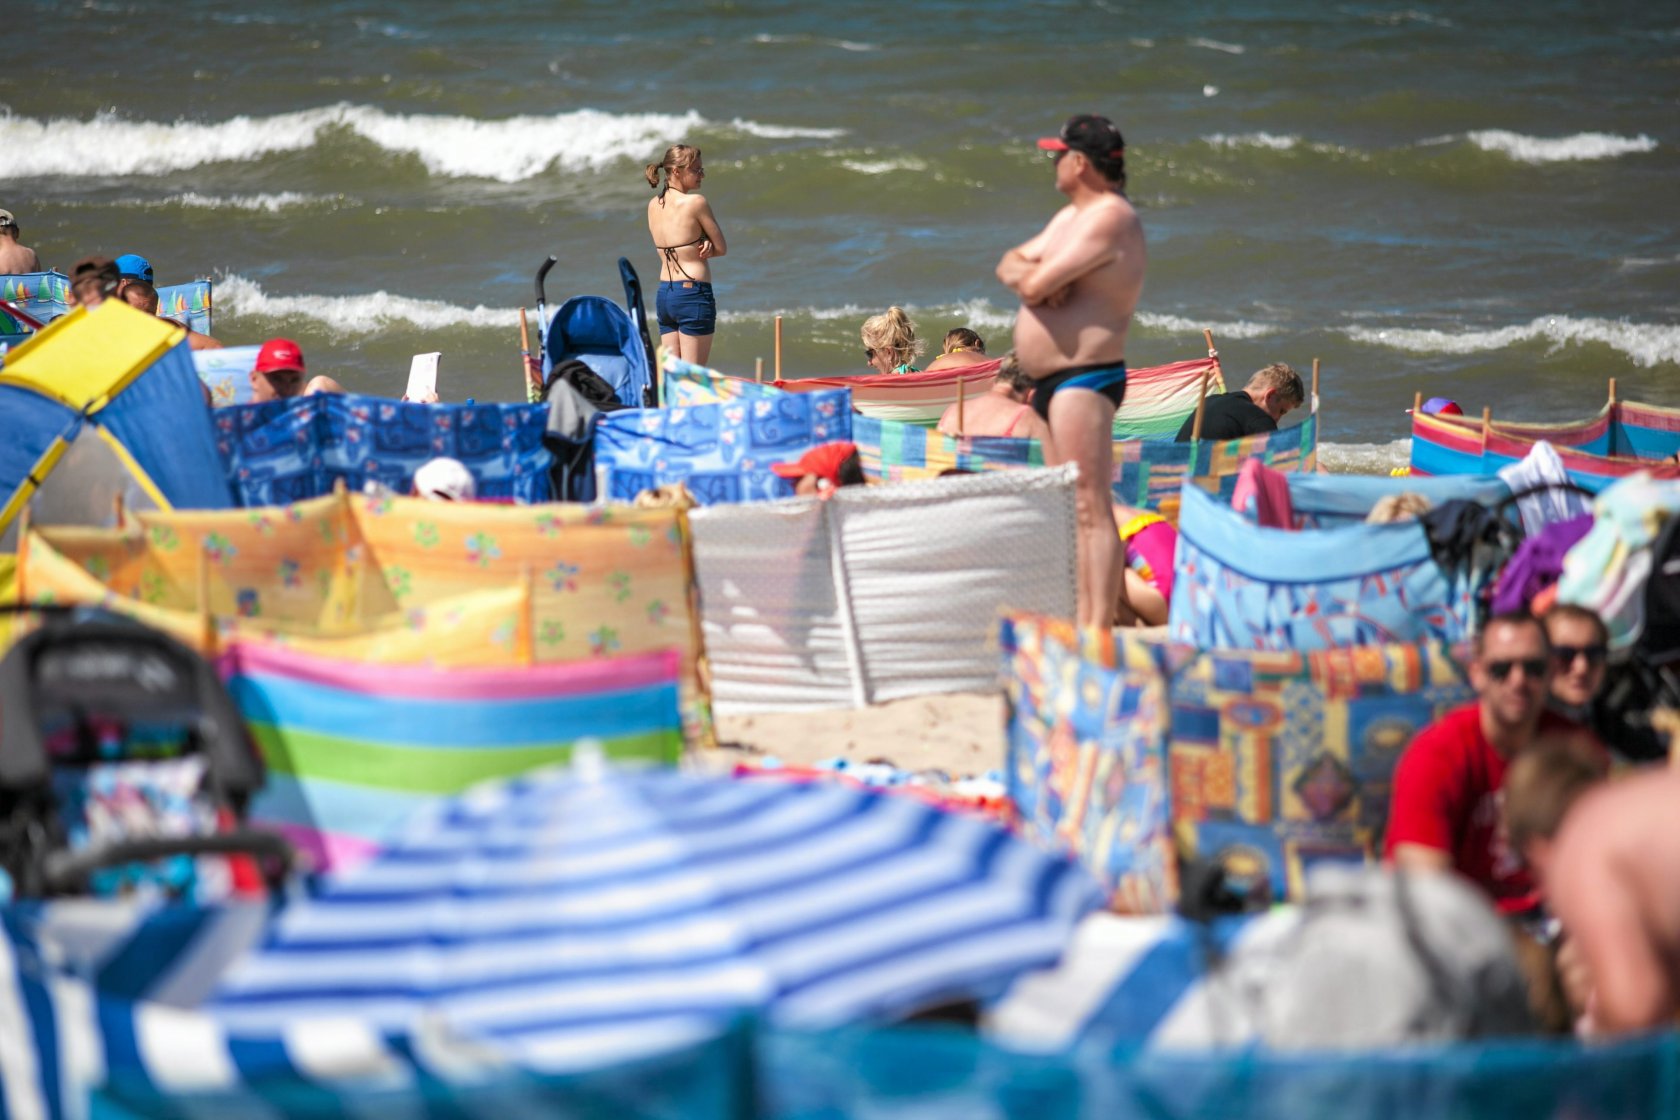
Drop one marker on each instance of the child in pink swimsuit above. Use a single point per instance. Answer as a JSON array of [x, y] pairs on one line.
[[1150, 542]]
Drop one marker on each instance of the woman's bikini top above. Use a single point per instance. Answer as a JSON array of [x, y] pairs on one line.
[[670, 254]]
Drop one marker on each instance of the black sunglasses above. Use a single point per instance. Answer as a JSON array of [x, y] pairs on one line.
[[1533, 668], [869, 355], [1566, 655]]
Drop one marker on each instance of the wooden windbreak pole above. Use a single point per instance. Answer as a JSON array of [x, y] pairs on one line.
[[1312, 403], [1417, 402], [206, 620], [1201, 394], [961, 429], [22, 562], [1487, 425], [525, 634], [758, 370], [778, 348], [1612, 390], [533, 384]]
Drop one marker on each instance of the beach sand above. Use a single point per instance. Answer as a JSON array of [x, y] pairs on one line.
[[959, 733]]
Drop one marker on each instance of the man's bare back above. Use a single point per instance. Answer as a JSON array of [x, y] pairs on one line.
[[1099, 250], [1612, 882], [16, 258]]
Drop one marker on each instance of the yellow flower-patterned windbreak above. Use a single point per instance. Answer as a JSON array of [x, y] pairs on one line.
[[391, 579]]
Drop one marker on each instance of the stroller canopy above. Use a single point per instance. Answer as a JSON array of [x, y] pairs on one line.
[[599, 333]]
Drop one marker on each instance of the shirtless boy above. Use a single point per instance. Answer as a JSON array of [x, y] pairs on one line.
[[15, 257], [1079, 281]]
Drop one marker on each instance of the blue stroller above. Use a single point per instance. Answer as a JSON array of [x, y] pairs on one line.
[[611, 340]]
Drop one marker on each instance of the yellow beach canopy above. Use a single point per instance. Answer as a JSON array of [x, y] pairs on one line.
[[104, 403]]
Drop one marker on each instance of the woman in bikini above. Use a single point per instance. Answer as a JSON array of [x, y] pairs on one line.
[[1006, 410], [687, 237], [962, 348], [890, 343]]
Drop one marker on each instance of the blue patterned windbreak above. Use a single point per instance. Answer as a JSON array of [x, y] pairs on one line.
[[721, 452], [1238, 585], [285, 451]]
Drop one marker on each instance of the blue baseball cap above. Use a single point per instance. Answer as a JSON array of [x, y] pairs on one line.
[[1434, 406], [132, 266]]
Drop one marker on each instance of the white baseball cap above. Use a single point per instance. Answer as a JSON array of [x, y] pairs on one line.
[[445, 480]]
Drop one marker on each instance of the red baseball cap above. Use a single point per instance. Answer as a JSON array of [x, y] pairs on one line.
[[824, 462], [278, 354]]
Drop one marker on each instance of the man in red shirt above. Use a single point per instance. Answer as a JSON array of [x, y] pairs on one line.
[[1444, 811]]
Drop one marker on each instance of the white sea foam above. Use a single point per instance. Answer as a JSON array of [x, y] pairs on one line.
[[842, 44], [1252, 140], [784, 132], [1175, 324], [269, 203], [1216, 45], [1630, 264], [507, 150], [1563, 149], [1645, 344], [1364, 458], [882, 166], [1410, 15], [367, 313]]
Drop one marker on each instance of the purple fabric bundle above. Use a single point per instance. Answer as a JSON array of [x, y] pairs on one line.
[[1537, 564]]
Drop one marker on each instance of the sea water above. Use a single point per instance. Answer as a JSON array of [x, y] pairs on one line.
[[1469, 199]]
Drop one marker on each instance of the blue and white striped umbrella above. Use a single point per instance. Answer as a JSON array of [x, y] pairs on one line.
[[577, 921]]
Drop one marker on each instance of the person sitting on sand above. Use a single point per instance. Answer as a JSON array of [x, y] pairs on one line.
[[93, 280], [1005, 410], [823, 470], [890, 342], [962, 348], [138, 289], [15, 257], [1255, 408], [1151, 544], [279, 373]]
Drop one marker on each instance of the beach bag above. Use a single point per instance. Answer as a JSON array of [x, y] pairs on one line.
[[1373, 959]]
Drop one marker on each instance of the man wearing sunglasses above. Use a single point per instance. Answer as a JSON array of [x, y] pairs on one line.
[[1445, 806], [1580, 651]]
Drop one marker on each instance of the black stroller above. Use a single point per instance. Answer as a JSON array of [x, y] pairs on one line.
[[125, 768]]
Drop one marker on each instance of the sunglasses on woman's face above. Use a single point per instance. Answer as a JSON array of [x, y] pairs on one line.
[[1533, 668], [869, 355], [1565, 655]]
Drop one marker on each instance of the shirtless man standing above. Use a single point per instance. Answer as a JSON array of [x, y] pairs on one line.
[[1079, 282], [14, 256]]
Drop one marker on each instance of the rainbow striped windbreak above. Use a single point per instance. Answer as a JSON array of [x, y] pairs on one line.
[[353, 748], [1623, 438], [1158, 398]]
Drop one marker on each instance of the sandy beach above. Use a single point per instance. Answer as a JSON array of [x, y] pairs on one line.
[[959, 733]]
